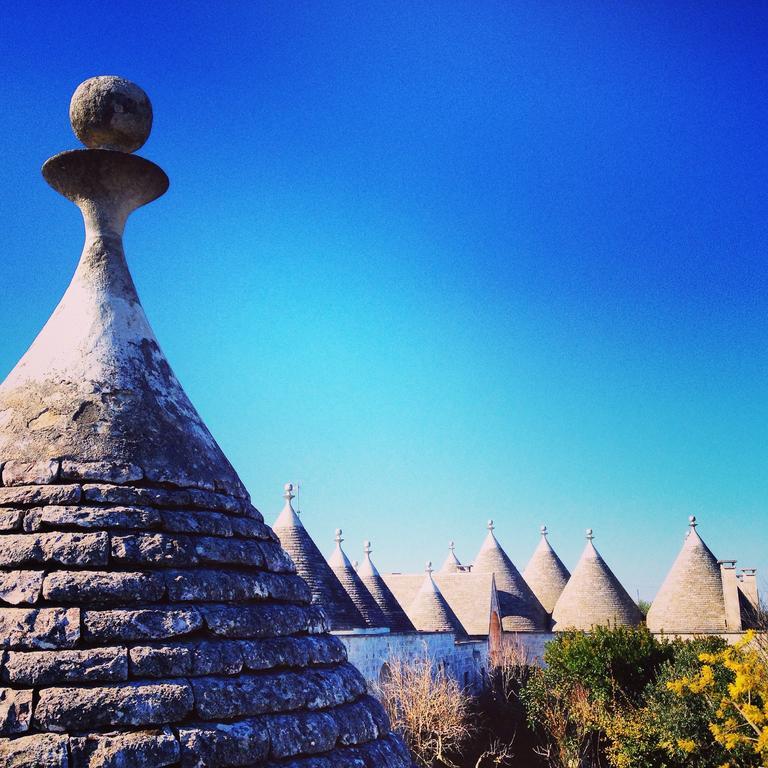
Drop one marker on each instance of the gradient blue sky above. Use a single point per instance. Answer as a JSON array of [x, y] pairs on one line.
[[438, 261]]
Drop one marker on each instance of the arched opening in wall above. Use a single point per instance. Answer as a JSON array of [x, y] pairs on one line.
[[385, 674]]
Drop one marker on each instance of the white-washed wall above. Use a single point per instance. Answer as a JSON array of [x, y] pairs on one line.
[[466, 661]]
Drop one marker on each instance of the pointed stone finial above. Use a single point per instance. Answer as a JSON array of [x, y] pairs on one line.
[[355, 564], [109, 112], [544, 531], [491, 526], [452, 547], [288, 493], [429, 569], [590, 535], [692, 521], [338, 538], [367, 548]]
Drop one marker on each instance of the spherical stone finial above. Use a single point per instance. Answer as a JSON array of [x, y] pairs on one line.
[[692, 521], [491, 526], [109, 112], [590, 534], [544, 530]]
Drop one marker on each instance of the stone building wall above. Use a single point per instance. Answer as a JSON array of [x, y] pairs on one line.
[[466, 661]]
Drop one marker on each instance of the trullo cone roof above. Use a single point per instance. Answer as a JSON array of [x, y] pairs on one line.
[[430, 611], [593, 596], [147, 614], [354, 587], [327, 591], [691, 598], [520, 609], [546, 574], [396, 618]]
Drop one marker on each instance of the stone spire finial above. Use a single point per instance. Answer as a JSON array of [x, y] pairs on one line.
[[590, 535], [544, 531], [338, 539], [452, 547], [108, 112], [367, 549], [288, 493], [491, 526], [692, 521], [429, 569]]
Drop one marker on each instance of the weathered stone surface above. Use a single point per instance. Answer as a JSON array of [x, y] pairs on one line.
[[17, 587], [216, 657], [219, 585], [39, 628], [291, 652], [81, 549], [30, 472], [103, 587], [33, 495], [364, 721], [256, 621], [43, 668], [164, 498], [40, 751], [276, 559], [302, 734], [10, 519], [15, 711], [136, 704], [164, 549], [101, 471], [125, 518], [186, 521], [247, 695], [137, 749], [141, 624], [242, 743], [160, 661]]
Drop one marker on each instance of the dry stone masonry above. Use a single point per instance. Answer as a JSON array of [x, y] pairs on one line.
[[148, 616]]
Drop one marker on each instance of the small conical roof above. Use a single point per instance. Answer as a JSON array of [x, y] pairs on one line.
[[430, 611], [594, 596], [691, 598], [327, 591], [520, 608], [353, 584], [545, 573], [452, 563], [396, 618]]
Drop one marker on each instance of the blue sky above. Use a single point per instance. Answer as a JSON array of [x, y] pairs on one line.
[[438, 261]]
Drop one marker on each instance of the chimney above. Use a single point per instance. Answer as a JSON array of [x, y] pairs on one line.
[[748, 585], [730, 595]]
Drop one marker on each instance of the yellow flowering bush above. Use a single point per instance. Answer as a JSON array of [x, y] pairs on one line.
[[739, 719]]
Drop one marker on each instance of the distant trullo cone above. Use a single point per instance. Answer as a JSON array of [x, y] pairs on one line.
[[147, 613]]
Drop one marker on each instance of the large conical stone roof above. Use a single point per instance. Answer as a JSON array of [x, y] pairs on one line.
[[148, 616], [594, 596], [396, 618], [327, 591], [691, 598], [354, 587], [545, 573], [520, 609]]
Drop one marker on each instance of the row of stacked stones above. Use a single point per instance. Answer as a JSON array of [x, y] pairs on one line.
[[148, 616]]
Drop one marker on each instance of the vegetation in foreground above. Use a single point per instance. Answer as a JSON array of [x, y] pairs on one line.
[[613, 698]]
